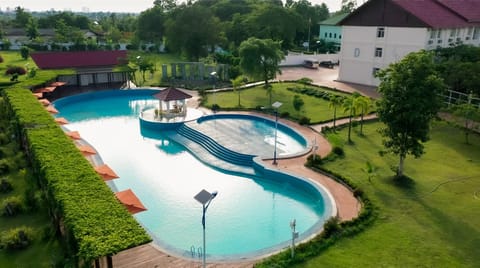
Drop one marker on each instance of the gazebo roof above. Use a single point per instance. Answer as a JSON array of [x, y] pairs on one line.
[[171, 94]]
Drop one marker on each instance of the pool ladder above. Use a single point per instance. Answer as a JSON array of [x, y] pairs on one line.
[[199, 251]]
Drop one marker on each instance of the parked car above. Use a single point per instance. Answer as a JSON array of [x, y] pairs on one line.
[[327, 64], [310, 63]]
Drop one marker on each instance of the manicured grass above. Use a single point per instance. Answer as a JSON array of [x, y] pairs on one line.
[[315, 108], [430, 221]]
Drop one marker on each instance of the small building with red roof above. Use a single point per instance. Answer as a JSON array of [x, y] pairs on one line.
[[92, 67], [381, 32]]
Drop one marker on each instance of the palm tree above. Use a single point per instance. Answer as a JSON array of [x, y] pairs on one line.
[[335, 102], [363, 104], [349, 105]]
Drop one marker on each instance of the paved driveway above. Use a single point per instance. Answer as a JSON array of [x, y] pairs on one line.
[[325, 77]]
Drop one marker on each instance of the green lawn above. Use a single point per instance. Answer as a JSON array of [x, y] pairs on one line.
[[431, 221], [315, 108]]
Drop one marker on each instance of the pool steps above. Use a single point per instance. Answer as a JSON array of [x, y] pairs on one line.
[[215, 148], [207, 157]]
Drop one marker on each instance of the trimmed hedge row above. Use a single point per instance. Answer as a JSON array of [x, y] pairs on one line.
[[333, 230], [84, 209]]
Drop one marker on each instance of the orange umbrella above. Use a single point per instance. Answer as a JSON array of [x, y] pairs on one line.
[[39, 95], [58, 84], [45, 89], [52, 109], [61, 120], [130, 201], [44, 102], [86, 150], [74, 135], [106, 172]]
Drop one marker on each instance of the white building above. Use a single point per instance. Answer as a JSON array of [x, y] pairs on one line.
[[381, 32]]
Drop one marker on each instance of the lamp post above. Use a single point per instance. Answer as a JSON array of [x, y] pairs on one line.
[[276, 105], [293, 224], [213, 76], [205, 198]]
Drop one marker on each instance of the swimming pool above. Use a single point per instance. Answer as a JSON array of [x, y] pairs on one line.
[[249, 217]]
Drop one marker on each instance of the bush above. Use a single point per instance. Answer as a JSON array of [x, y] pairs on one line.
[[338, 151], [24, 52], [1, 59], [18, 238], [11, 70], [284, 114], [304, 120], [11, 206], [331, 227], [313, 162], [4, 167], [5, 185]]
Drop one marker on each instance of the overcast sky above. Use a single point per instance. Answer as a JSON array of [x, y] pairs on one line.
[[108, 5]]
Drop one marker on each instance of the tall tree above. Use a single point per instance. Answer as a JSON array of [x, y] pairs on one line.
[[348, 6], [32, 29], [260, 58], [185, 35], [21, 17], [166, 5], [410, 100], [150, 25]]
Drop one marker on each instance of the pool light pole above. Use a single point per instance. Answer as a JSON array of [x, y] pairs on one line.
[[276, 105], [205, 198], [293, 224]]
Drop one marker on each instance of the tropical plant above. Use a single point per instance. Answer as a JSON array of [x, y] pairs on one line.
[[236, 84], [350, 106], [363, 104], [335, 102]]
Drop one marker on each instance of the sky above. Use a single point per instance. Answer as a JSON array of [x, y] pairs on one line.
[[135, 6]]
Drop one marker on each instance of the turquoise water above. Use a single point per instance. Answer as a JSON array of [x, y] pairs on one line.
[[250, 216]]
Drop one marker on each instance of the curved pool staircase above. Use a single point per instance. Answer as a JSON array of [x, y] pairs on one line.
[[211, 152]]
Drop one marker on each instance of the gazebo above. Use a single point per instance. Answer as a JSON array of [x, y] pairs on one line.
[[168, 96]]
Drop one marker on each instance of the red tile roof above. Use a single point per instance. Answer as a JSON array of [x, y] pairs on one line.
[[170, 94], [443, 13], [78, 59]]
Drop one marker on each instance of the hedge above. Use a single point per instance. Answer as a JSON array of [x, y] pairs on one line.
[[83, 207]]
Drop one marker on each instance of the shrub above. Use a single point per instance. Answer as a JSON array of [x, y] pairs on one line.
[[304, 120], [5, 185], [11, 206], [331, 227], [24, 52], [1, 59], [215, 107], [284, 114], [11, 70], [4, 166], [314, 161], [338, 151], [18, 238]]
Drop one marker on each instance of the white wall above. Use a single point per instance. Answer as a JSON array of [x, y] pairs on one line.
[[293, 59], [357, 56]]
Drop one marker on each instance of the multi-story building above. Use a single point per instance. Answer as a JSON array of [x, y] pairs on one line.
[[381, 32], [330, 31]]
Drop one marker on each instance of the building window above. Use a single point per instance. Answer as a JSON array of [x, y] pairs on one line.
[[439, 34], [326, 35], [470, 30], [433, 33], [339, 36], [335, 35], [452, 32], [378, 52], [330, 35], [375, 71], [380, 32]]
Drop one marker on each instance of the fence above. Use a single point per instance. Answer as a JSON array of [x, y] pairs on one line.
[[452, 97]]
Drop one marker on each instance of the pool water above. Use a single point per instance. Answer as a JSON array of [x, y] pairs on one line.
[[249, 217]]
